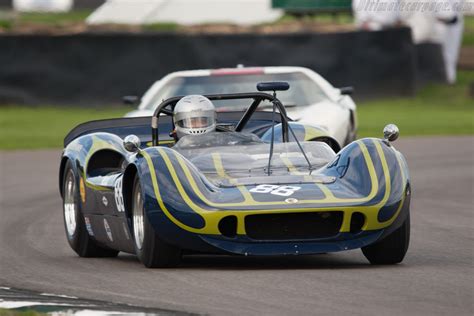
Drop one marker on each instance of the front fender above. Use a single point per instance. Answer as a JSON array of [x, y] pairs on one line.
[[80, 151], [370, 167], [167, 186]]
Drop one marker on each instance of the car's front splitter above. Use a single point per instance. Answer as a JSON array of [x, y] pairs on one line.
[[344, 241]]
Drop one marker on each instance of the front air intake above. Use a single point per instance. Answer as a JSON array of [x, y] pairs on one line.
[[357, 222], [293, 226], [228, 226]]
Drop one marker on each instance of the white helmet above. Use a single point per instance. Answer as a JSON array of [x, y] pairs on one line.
[[194, 115]]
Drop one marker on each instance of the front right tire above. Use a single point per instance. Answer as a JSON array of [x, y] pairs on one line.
[[150, 249]]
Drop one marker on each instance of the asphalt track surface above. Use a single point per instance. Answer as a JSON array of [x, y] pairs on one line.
[[436, 277]]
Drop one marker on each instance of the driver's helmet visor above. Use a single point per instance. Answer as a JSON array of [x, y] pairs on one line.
[[195, 122]]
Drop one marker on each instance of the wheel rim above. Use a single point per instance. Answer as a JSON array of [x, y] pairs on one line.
[[70, 207], [138, 220]]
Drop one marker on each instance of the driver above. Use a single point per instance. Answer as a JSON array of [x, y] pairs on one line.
[[194, 115]]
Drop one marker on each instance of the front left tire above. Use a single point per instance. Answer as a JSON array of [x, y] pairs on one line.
[[151, 250], [74, 223]]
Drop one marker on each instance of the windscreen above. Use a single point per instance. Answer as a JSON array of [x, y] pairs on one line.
[[303, 90], [233, 155]]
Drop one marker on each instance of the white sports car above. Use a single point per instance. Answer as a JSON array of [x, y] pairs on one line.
[[310, 100]]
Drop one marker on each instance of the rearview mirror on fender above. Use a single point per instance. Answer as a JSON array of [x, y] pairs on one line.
[[346, 90], [130, 99]]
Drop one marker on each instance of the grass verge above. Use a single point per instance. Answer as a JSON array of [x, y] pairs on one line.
[[436, 110], [27, 312], [46, 18], [468, 32], [45, 127]]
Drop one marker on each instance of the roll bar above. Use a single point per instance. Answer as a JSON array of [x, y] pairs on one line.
[[167, 107]]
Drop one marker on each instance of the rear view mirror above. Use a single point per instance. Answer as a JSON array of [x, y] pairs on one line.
[[132, 143], [273, 86], [391, 132], [130, 99], [346, 90]]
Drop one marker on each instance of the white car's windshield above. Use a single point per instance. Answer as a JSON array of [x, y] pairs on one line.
[[303, 91]]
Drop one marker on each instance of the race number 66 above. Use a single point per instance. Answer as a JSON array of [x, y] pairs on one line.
[[275, 189]]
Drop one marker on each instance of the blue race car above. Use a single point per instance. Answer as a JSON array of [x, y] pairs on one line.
[[260, 185]]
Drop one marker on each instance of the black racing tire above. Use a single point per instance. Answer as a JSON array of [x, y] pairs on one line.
[[77, 236], [151, 250], [391, 249]]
